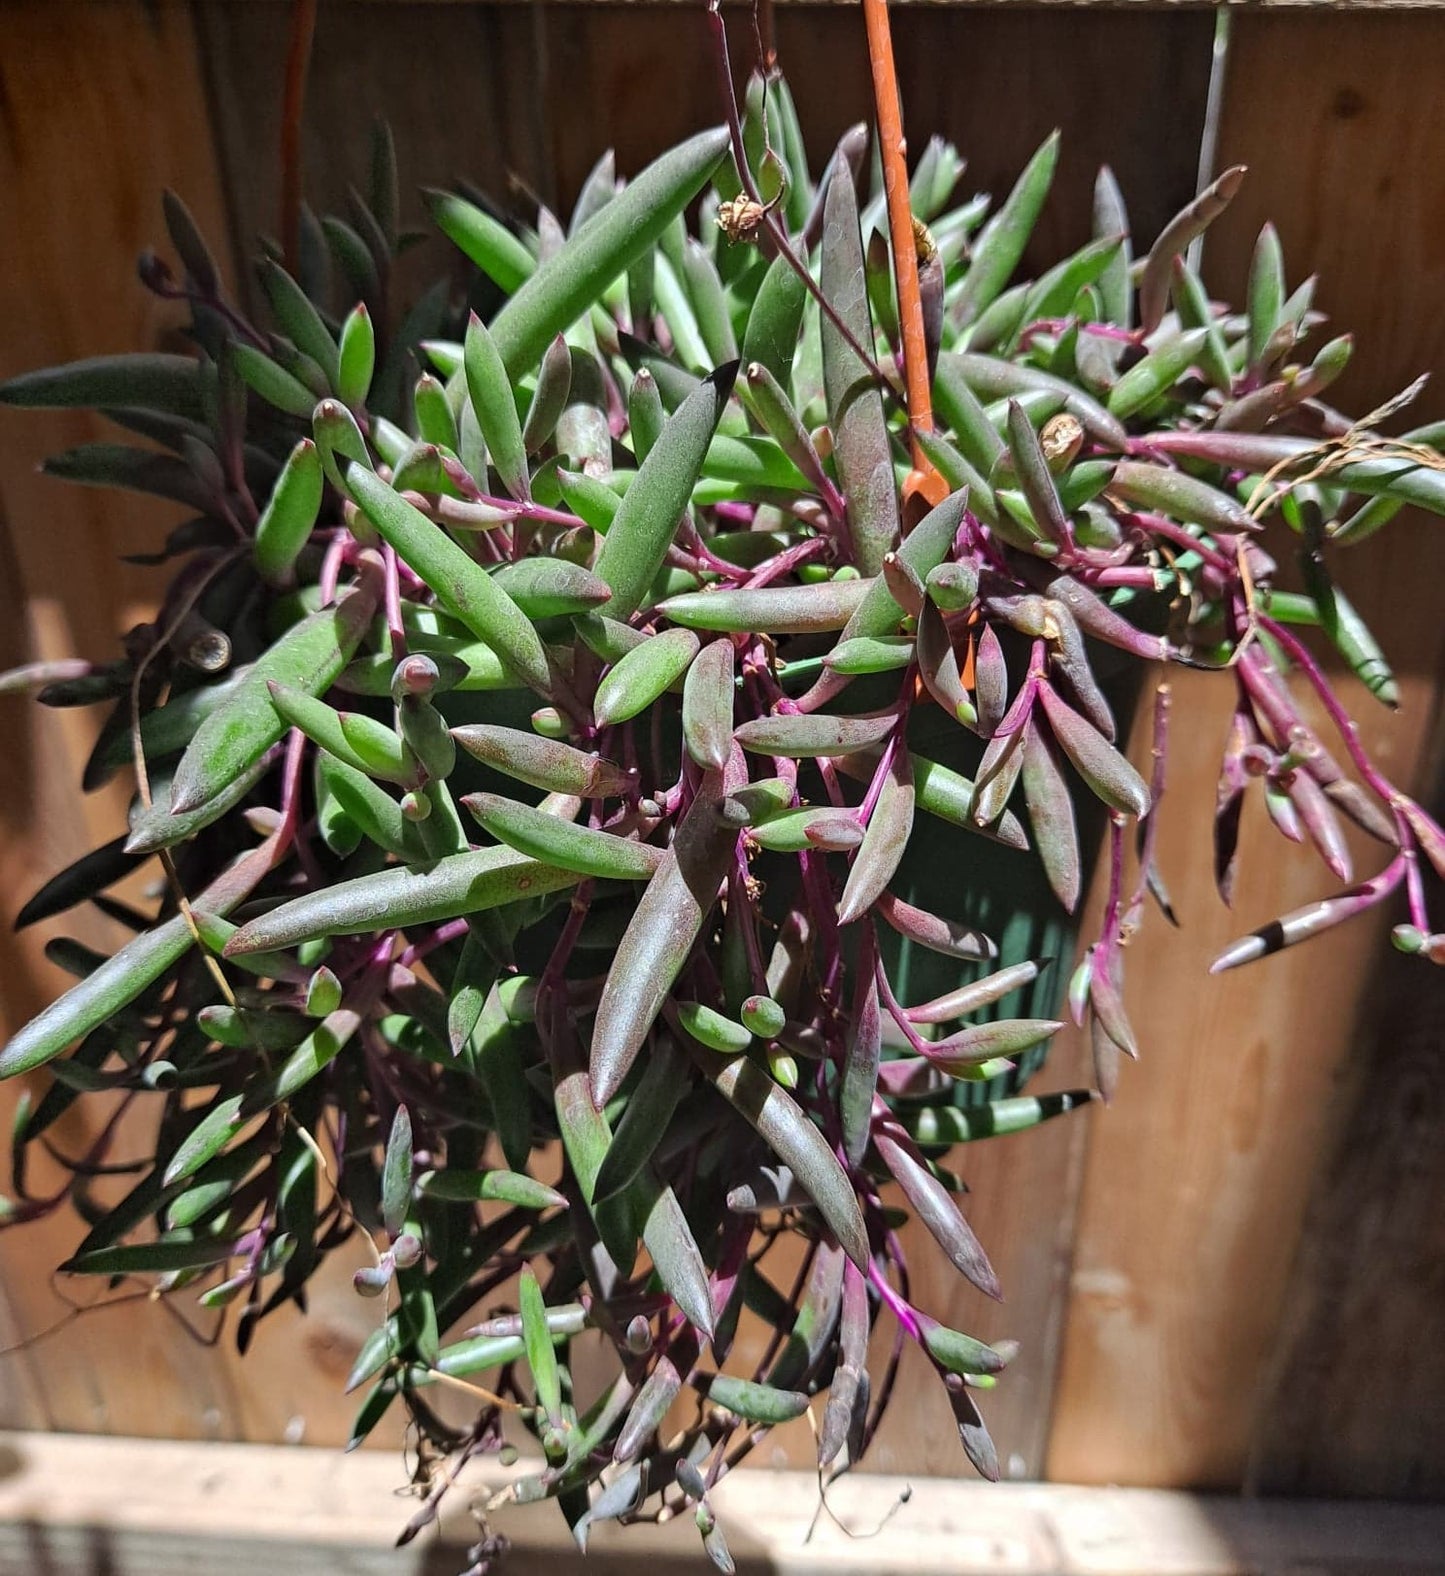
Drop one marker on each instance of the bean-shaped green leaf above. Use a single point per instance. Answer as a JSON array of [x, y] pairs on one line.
[[942, 792], [1112, 218], [712, 1028], [549, 398], [773, 610], [370, 807], [667, 921], [804, 734], [997, 378], [791, 1135], [649, 1110], [862, 1049], [593, 500], [861, 446], [168, 728], [1354, 641], [289, 515], [648, 1409], [812, 826], [563, 287], [978, 440], [163, 1257], [396, 1173], [673, 1249], [935, 1207], [870, 654], [1192, 220], [707, 705], [452, 886], [771, 336], [272, 382], [461, 585], [945, 936], [267, 1031], [1102, 767], [775, 412], [1157, 373], [495, 408], [762, 799], [925, 546], [675, 308], [1175, 493], [146, 381], [646, 521], [121, 978], [1051, 815], [483, 239], [645, 414], [1035, 478], [631, 685], [960, 1353], [559, 842], [709, 304], [1191, 301], [966, 999], [299, 319], [502, 1187], [357, 359], [884, 844], [966, 1049], [551, 587], [377, 750], [754, 1402], [547, 764], [435, 421], [938, 665], [999, 248], [537, 1342], [1264, 293], [951, 587], [308, 658], [1055, 291]]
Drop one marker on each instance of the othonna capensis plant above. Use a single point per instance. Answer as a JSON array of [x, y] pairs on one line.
[[531, 733]]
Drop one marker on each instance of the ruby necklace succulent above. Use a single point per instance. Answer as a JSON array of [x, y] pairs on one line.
[[538, 718]]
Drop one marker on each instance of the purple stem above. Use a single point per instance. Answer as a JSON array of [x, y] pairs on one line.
[[1159, 753], [894, 1302], [897, 1012], [778, 234], [1344, 723]]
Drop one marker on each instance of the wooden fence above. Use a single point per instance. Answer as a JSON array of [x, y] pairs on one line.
[[1232, 1277]]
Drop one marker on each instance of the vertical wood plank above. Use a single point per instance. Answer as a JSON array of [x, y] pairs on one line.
[[1357, 1392], [1367, 1278], [101, 110], [1197, 1181], [462, 87]]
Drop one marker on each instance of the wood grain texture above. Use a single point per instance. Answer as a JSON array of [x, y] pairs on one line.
[[1365, 1290], [128, 1507], [82, 188], [456, 84], [1197, 1181]]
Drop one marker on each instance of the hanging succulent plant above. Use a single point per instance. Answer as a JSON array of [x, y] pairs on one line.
[[531, 748]]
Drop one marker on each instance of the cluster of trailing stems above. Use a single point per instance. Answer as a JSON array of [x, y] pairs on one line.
[[547, 690]]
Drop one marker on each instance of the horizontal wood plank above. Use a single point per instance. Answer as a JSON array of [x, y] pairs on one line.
[[74, 1506]]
